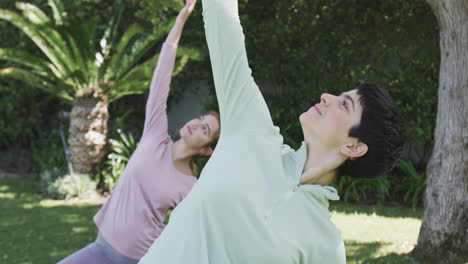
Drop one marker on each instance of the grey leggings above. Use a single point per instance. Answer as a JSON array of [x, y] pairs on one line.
[[98, 252]]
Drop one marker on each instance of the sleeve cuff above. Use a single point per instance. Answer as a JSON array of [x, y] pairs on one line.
[[170, 45]]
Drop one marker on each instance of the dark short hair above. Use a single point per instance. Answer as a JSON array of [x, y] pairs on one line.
[[380, 129], [214, 142]]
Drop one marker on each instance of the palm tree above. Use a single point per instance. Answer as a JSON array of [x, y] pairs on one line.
[[83, 70]]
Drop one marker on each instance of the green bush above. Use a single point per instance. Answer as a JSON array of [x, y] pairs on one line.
[[46, 178], [122, 149], [412, 188], [404, 185], [362, 189], [71, 185], [48, 152]]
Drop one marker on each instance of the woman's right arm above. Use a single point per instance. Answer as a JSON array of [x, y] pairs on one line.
[[241, 104], [156, 117]]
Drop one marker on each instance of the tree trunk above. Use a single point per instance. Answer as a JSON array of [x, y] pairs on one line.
[[88, 133], [443, 236]]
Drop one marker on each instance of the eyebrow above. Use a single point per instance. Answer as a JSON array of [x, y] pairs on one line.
[[208, 126], [349, 98]]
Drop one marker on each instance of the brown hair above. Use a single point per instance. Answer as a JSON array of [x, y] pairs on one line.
[[212, 144]]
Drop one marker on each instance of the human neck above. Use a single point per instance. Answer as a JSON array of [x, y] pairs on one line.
[[182, 155], [320, 166]]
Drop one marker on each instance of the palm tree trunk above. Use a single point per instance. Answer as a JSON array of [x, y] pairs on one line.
[[88, 133], [444, 231]]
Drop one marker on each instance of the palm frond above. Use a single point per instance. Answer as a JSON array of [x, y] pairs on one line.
[[192, 53], [58, 11], [128, 88], [33, 13], [120, 49], [138, 50], [37, 82], [79, 37], [51, 52], [142, 72], [39, 66], [185, 55]]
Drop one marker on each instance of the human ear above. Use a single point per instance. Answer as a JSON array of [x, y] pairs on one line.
[[206, 151], [354, 150]]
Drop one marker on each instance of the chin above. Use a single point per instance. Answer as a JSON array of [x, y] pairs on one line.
[[302, 118]]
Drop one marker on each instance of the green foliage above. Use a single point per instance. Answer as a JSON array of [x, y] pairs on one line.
[[122, 149], [48, 151], [71, 185], [330, 46], [413, 184], [78, 62], [362, 189], [158, 11], [25, 114], [46, 178], [403, 185]]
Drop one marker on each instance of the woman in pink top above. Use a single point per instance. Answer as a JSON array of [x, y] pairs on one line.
[[158, 175]]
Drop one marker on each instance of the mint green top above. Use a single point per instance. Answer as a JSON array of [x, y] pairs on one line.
[[248, 206]]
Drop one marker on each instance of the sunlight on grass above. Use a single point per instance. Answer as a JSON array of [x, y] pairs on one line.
[[79, 229], [47, 230], [370, 236], [29, 205], [72, 202], [4, 188], [7, 196]]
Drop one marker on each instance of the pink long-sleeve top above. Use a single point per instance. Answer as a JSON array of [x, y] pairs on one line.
[[133, 216]]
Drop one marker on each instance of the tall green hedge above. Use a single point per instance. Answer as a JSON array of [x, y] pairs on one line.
[[305, 48], [298, 48], [302, 48]]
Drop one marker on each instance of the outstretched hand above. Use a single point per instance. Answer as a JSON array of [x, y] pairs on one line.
[[187, 10]]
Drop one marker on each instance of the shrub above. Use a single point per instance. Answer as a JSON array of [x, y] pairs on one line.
[[71, 185], [362, 189], [46, 178], [48, 151], [413, 184], [122, 148]]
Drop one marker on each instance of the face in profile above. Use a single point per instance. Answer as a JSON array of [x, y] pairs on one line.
[[199, 132], [330, 120]]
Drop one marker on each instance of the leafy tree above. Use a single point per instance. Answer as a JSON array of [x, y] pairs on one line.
[[85, 69]]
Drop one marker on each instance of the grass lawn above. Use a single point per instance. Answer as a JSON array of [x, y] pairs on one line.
[[38, 230]]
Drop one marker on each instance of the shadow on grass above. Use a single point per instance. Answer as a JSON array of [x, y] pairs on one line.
[[380, 210], [364, 253], [32, 233]]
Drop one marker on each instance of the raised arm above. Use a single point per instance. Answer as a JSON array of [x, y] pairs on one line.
[[156, 117], [241, 104]]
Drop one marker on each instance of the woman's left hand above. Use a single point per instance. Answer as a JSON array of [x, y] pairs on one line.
[[187, 10]]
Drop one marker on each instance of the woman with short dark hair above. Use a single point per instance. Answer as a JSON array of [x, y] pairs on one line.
[[257, 201]]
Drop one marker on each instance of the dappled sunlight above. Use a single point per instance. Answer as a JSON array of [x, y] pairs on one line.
[[372, 228], [379, 210], [28, 205], [48, 230], [371, 236], [4, 188], [80, 229], [361, 250], [72, 202], [72, 218], [373, 253], [7, 196]]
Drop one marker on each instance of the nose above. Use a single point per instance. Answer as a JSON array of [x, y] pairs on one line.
[[325, 98]]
